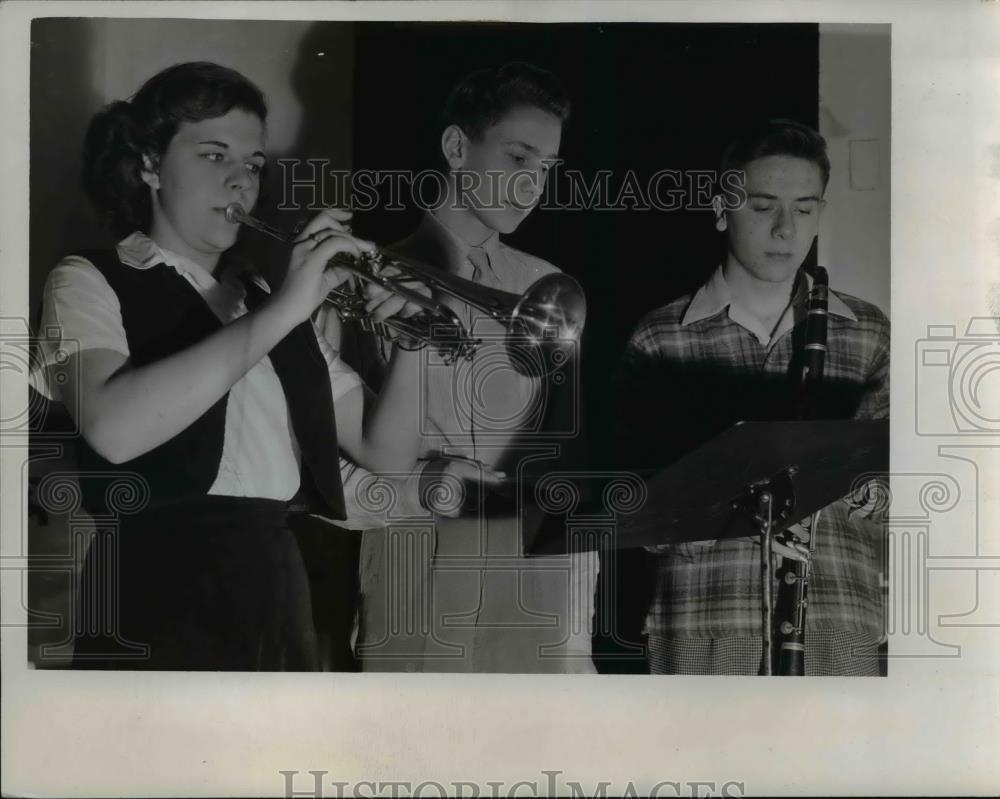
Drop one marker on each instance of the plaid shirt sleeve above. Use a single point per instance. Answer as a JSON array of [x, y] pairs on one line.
[[873, 330]]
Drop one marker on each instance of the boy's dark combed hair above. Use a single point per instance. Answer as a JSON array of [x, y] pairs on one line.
[[482, 98], [777, 137], [122, 132]]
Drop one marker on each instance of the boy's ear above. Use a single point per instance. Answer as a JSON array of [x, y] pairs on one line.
[[149, 173], [454, 146], [720, 213]]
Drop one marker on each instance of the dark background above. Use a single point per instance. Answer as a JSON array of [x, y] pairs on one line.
[[645, 98]]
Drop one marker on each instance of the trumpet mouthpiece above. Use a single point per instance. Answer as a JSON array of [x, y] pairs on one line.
[[235, 213]]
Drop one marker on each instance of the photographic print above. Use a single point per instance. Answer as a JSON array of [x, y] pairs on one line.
[[405, 364]]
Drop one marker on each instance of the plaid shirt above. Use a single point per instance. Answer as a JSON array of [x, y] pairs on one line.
[[701, 363]]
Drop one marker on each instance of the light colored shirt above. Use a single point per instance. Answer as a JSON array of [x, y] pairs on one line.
[[476, 408], [260, 455], [486, 409]]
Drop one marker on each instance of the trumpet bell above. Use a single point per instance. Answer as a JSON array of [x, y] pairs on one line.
[[546, 324]]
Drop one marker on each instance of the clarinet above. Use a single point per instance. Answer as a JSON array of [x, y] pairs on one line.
[[814, 356], [794, 574]]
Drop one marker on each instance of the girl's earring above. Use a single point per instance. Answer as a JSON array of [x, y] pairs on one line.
[[149, 175]]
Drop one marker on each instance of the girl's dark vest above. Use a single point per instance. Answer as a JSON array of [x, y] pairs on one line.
[[163, 314]]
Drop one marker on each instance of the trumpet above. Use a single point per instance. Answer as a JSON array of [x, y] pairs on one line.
[[542, 325]]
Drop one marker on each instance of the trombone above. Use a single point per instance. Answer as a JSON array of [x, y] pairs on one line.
[[542, 325]]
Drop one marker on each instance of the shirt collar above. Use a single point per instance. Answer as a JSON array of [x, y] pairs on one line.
[[226, 297], [459, 248], [712, 297], [715, 296], [140, 252]]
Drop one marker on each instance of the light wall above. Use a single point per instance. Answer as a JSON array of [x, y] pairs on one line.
[[855, 119], [79, 65]]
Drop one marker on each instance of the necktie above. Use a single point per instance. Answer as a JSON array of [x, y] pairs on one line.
[[481, 268], [480, 261]]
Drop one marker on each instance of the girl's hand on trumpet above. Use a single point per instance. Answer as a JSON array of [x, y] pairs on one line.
[[309, 279]]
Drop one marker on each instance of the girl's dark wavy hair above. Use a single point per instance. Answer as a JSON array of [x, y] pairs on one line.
[[482, 98], [122, 132]]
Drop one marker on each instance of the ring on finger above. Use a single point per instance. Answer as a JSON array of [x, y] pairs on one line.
[[319, 236]]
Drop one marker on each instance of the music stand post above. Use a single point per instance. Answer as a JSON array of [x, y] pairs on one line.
[[759, 505]]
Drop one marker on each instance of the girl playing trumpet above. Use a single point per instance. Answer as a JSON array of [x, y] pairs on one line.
[[212, 394]]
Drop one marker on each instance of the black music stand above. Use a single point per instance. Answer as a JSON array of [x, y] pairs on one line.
[[703, 495], [756, 478]]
